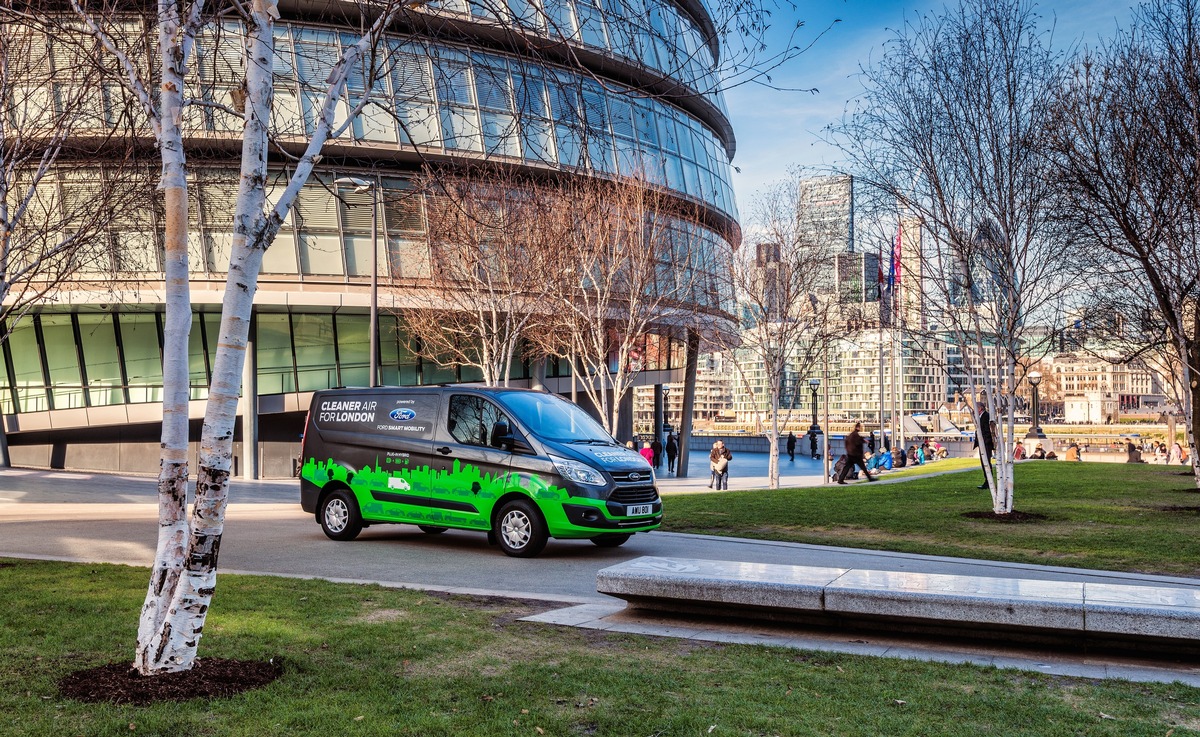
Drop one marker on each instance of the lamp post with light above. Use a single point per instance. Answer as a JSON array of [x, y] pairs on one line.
[[360, 186], [1035, 430]]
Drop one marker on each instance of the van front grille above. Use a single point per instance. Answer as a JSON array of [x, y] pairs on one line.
[[634, 495]]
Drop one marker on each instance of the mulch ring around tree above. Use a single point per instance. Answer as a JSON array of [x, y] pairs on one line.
[[210, 678], [1013, 516]]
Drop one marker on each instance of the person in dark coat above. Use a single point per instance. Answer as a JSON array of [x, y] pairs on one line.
[[672, 452], [871, 442], [854, 454], [983, 429], [791, 446], [657, 447], [812, 443]]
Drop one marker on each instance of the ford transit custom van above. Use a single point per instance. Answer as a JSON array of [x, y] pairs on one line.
[[522, 466]]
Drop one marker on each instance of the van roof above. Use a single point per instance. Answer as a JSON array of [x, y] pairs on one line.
[[426, 389]]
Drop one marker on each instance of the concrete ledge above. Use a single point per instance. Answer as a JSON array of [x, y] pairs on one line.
[[1055, 612]]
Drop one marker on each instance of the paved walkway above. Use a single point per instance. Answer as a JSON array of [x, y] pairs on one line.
[[748, 471]]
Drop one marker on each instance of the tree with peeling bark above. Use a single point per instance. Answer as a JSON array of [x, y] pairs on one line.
[[951, 127], [492, 240], [779, 279], [1127, 147], [184, 575]]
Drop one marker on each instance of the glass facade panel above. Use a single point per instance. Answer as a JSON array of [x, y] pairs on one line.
[[197, 361], [58, 338], [398, 364], [358, 255], [354, 349], [316, 366], [143, 356], [276, 372], [280, 258], [321, 254], [30, 383], [99, 338]]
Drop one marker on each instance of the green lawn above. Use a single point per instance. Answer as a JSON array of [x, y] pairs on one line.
[[1098, 515], [361, 660]]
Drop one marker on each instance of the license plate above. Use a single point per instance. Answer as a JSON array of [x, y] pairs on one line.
[[641, 509]]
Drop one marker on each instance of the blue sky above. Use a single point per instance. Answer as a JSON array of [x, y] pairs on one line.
[[778, 130]]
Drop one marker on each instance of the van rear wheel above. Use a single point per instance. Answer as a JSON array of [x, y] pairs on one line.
[[340, 518], [520, 531], [611, 540], [431, 530]]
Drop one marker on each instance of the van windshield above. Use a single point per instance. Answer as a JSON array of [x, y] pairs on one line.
[[553, 418]]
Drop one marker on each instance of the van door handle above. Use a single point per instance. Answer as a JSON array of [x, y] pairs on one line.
[[443, 450]]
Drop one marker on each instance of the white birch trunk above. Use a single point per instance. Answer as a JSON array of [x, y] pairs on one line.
[[159, 627], [773, 444]]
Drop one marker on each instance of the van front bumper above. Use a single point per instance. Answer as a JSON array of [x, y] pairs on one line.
[[582, 520]]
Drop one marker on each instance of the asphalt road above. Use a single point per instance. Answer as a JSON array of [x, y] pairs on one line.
[[111, 519]]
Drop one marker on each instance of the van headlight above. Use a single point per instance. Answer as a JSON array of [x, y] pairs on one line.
[[580, 473]]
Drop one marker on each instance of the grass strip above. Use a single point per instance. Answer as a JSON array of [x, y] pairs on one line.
[[364, 660], [1122, 517]]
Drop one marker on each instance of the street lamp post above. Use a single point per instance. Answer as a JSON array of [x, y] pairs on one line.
[[1035, 429], [813, 385], [363, 185]]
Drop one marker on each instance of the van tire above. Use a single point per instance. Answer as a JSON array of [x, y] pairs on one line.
[[339, 516], [431, 530], [520, 531], [611, 540]]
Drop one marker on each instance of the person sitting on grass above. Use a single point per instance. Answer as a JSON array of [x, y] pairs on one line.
[[1039, 453]]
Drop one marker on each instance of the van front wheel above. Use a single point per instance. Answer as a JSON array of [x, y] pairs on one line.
[[340, 518], [520, 531]]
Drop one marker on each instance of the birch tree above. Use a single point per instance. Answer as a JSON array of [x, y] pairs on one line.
[[951, 126], [1127, 144], [780, 279], [184, 575]]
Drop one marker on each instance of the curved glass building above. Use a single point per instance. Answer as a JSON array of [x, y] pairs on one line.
[[577, 88]]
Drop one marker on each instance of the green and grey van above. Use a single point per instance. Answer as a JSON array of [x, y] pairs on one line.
[[521, 465]]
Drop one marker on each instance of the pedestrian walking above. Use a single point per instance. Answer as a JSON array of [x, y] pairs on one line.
[[871, 442], [854, 454], [791, 446], [647, 453], [718, 460], [672, 452], [812, 443], [657, 446]]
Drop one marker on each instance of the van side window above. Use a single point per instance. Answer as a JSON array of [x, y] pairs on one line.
[[471, 419]]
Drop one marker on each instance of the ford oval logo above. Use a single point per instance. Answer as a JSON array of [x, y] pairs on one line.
[[635, 477], [402, 414]]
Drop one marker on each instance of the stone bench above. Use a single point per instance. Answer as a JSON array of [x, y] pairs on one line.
[[1099, 615]]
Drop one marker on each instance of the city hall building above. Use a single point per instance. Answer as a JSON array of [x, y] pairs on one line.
[[616, 87]]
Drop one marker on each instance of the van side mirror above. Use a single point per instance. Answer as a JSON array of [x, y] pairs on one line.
[[502, 436]]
